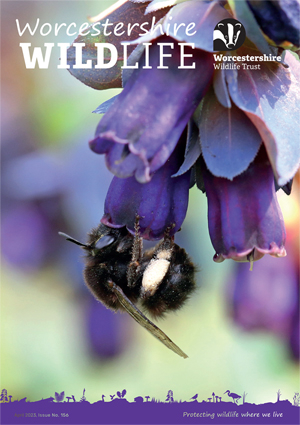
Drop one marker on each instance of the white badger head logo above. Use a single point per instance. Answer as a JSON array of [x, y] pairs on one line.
[[232, 34]]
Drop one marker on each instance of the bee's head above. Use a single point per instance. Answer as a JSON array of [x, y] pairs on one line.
[[104, 238]]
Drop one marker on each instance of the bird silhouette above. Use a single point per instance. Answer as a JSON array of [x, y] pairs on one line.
[[235, 397], [194, 397]]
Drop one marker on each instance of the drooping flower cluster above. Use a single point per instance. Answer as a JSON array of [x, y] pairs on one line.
[[231, 130]]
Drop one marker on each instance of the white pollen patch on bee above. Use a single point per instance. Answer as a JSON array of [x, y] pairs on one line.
[[154, 274], [164, 254]]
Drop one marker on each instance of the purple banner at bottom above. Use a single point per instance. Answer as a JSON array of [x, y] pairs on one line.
[[120, 411]]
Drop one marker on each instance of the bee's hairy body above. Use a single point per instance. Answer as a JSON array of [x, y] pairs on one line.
[[119, 275]]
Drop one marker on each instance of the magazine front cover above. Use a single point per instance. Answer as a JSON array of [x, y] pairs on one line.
[[150, 212]]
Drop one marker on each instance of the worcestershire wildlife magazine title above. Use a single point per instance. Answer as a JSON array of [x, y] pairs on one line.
[[150, 212]]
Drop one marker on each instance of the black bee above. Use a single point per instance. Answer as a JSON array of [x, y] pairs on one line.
[[119, 274]]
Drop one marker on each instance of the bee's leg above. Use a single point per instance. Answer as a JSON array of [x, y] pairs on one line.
[[137, 254], [167, 243]]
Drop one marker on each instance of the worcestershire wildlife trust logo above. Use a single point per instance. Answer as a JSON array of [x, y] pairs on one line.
[[229, 34]]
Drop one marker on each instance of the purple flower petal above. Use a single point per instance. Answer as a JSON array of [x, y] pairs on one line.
[[243, 14], [267, 297], [127, 13], [152, 112], [229, 140], [26, 236], [205, 15], [161, 203], [278, 19], [105, 331], [178, 23], [244, 215], [192, 150], [221, 89], [270, 98]]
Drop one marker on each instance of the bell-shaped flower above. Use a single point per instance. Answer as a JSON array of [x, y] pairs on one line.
[[267, 299], [160, 204], [244, 218], [140, 130]]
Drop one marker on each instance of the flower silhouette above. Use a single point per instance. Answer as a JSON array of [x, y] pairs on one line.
[[59, 396]]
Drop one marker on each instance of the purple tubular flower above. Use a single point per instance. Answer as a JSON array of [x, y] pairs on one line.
[[278, 19], [142, 127], [160, 204], [105, 331], [245, 220], [267, 298]]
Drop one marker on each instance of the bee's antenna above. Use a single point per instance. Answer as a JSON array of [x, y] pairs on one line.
[[69, 238]]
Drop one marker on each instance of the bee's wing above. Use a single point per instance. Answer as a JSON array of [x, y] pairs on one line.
[[144, 321]]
